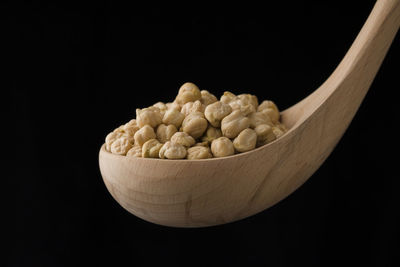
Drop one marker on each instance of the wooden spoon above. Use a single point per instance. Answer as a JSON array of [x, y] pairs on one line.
[[196, 193]]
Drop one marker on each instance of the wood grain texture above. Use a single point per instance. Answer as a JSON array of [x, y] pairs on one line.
[[196, 193]]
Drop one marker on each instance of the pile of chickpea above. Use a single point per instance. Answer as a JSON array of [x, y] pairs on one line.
[[198, 126]]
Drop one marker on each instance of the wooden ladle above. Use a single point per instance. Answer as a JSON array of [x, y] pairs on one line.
[[196, 193]]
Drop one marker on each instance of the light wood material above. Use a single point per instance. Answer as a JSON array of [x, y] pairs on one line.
[[190, 193]]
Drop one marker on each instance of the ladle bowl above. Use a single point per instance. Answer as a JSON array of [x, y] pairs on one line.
[[198, 193]]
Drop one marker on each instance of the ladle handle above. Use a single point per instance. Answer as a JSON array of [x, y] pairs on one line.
[[355, 73]]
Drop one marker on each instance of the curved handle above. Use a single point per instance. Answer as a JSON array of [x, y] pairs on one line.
[[353, 76]]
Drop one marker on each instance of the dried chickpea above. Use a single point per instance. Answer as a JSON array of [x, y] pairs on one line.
[[143, 134], [222, 147], [151, 148], [215, 112], [172, 151], [199, 152], [269, 108], [165, 132], [248, 99], [111, 137], [195, 124], [121, 146], [258, 118], [190, 107], [207, 98], [265, 134], [205, 144], [245, 141], [234, 123], [277, 131], [148, 116], [211, 134], [162, 107], [188, 92], [131, 127], [183, 139], [174, 117], [173, 105], [227, 97], [135, 151]]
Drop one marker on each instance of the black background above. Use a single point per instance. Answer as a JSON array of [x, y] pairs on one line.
[[80, 71]]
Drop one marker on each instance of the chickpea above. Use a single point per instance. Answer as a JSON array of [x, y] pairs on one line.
[[111, 137], [222, 147], [173, 105], [135, 151], [131, 127], [234, 123], [265, 134], [149, 116], [211, 134], [162, 107], [245, 141], [121, 146], [215, 112], [248, 99], [151, 148], [207, 98], [183, 139], [190, 107], [270, 109], [143, 134], [199, 152], [172, 151], [194, 124], [164, 132], [277, 131], [227, 97], [257, 118], [188, 92], [205, 144], [174, 117]]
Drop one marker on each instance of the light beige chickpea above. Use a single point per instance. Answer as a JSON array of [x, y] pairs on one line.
[[211, 134], [135, 151], [189, 92], [267, 104], [245, 107], [215, 112], [172, 151], [205, 144], [207, 98], [277, 131], [234, 123], [248, 99], [165, 132], [121, 146], [222, 147], [162, 107], [199, 152], [174, 117], [245, 141], [131, 127], [190, 107], [195, 124], [258, 118], [269, 108], [148, 116], [111, 137], [151, 148], [227, 97], [183, 139], [173, 105], [143, 134], [265, 134]]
